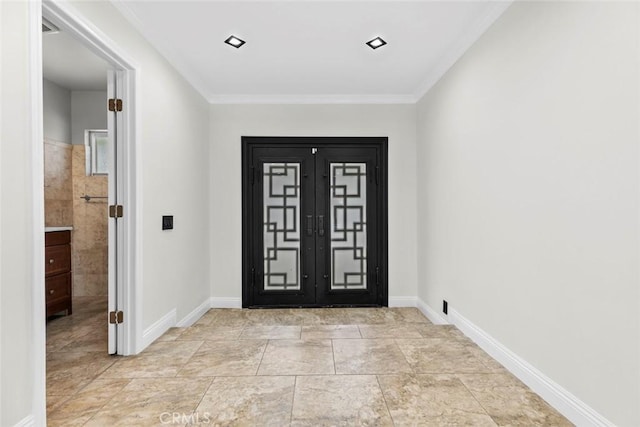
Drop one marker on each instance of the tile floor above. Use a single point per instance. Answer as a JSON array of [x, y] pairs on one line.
[[299, 367]]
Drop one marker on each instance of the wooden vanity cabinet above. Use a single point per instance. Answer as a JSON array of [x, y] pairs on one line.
[[57, 268]]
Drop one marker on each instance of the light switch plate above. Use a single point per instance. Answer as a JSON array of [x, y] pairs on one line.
[[167, 222]]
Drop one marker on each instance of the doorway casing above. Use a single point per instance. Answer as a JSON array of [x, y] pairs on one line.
[[129, 275]]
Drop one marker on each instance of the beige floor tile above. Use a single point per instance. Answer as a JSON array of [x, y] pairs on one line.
[[369, 356], [260, 332], [87, 343], [54, 401], [207, 318], [271, 317], [436, 400], [83, 405], [297, 357], [248, 401], [161, 359], [210, 333], [172, 334], [440, 356], [324, 316], [373, 316], [330, 331], [427, 372], [225, 358], [339, 401], [509, 402], [71, 371], [410, 315], [149, 401], [228, 317], [440, 331], [401, 330]]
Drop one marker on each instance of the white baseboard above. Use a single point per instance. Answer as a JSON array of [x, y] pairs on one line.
[[566, 403], [435, 317], [156, 330], [402, 301], [28, 421], [197, 313], [226, 302]]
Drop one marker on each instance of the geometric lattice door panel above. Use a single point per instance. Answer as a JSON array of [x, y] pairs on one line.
[[314, 221]]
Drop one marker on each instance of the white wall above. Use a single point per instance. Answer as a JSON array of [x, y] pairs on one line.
[[18, 361], [528, 195], [57, 112], [88, 111], [173, 145], [230, 122]]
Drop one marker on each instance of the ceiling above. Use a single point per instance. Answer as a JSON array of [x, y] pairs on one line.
[[296, 51], [70, 65]]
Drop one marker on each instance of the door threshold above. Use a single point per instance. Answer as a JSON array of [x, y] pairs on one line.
[[267, 307]]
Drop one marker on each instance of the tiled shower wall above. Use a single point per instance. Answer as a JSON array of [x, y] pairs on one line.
[[90, 240], [58, 189], [65, 182]]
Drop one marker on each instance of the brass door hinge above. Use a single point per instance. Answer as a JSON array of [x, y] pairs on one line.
[[115, 211], [115, 104], [116, 317]]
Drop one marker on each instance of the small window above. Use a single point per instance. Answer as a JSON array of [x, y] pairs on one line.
[[96, 145]]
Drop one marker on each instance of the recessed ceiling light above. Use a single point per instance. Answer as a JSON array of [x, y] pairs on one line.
[[234, 41], [376, 43]]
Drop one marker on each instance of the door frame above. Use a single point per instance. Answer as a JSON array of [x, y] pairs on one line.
[[249, 142], [68, 18]]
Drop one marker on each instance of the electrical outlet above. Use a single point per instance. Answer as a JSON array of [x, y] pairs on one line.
[[445, 307], [167, 222]]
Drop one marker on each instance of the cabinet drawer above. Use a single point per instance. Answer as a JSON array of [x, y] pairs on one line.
[[54, 238], [57, 259], [57, 287]]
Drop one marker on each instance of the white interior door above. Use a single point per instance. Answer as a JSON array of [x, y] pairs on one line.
[[115, 259]]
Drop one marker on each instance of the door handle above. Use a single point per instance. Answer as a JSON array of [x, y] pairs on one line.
[[320, 225], [309, 225]]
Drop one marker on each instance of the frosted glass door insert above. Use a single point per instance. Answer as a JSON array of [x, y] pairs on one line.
[[281, 199], [348, 206]]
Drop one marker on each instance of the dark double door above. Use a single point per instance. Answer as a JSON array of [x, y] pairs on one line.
[[314, 226]]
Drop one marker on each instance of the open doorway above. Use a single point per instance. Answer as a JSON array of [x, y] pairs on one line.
[[125, 332], [76, 184]]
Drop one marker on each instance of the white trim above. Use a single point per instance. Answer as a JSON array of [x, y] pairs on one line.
[[435, 317], [312, 99], [161, 326], [196, 314], [28, 421], [403, 302], [226, 302], [455, 52], [38, 314], [566, 403], [72, 22]]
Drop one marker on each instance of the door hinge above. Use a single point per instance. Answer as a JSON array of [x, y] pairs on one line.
[[115, 211], [115, 104], [116, 317], [377, 175], [377, 276]]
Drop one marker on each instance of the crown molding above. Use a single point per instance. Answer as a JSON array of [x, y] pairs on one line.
[[312, 99], [455, 52]]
